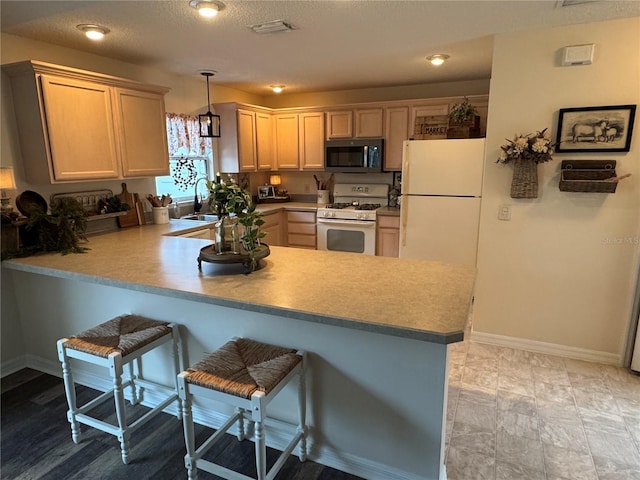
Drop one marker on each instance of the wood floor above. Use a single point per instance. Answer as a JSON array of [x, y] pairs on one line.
[[36, 441]]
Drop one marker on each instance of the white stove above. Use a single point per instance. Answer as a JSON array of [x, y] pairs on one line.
[[349, 224], [356, 201]]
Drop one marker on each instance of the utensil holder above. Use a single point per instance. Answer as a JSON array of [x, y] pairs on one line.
[[160, 215], [323, 197]]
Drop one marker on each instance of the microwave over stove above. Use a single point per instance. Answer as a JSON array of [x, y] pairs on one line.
[[354, 156]]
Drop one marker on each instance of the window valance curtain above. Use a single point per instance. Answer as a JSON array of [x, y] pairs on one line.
[[183, 136]]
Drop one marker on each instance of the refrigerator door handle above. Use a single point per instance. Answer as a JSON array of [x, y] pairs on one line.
[[404, 207]]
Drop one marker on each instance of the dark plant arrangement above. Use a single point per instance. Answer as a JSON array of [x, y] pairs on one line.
[[61, 230], [461, 112]]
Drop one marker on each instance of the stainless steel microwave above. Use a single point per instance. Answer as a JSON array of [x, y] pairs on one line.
[[354, 156]]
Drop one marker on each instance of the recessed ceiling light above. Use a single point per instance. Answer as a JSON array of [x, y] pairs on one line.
[[94, 32], [207, 8], [277, 88], [437, 59]]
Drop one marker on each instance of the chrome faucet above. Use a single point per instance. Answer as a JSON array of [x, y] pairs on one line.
[[197, 204]]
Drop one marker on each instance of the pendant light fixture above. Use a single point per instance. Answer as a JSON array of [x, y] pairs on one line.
[[209, 123]]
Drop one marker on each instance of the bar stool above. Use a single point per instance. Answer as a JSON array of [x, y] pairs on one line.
[[114, 344], [247, 375]]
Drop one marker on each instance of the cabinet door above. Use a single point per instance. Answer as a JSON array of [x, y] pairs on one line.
[[273, 228], [287, 141], [397, 130], [388, 236], [339, 124], [142, 133], [264, 141], [311, 133], [79, 129], [368, 123], [246, 141]]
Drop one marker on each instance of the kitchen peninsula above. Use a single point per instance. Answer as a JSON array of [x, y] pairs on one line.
[[377, 350]]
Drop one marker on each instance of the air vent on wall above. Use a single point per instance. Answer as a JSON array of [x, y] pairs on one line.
[[272, 27]]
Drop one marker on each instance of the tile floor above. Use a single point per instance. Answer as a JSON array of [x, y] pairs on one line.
[[519, 415]]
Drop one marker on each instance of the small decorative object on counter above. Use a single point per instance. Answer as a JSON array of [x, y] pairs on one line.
[[526, 151], [160, 215]]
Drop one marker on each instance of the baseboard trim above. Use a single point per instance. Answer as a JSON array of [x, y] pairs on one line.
[[278, 433], [547, 348]]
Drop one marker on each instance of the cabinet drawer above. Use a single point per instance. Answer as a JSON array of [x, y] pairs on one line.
[[302, 228], [386, 221], [301, 217], [301, 240]]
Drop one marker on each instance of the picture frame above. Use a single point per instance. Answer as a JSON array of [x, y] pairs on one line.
[[595, 129]]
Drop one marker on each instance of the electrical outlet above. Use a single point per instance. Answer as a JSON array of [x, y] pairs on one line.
[[307, 188], [504, 212]]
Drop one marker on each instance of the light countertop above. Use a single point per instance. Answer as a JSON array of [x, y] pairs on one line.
[[428, 301]]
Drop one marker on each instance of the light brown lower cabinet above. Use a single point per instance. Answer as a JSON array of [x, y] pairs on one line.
[[273, 227], [388, 236], [301, 229]]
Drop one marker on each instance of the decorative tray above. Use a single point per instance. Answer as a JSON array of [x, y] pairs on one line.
[[209, 254]]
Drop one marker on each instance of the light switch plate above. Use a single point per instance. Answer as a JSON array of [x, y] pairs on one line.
[[504, 212]]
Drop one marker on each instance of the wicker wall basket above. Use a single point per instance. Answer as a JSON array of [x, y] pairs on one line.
[[524, 183]]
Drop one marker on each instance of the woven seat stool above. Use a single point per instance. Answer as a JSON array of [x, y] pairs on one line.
[[115, 344], [247, 375]]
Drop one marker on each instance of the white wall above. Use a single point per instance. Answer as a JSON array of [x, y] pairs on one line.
[[556, 273]]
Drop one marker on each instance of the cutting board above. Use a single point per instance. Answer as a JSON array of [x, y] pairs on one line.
[[130, 219]]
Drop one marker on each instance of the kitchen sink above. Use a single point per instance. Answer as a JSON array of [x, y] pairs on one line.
[[203, 217]]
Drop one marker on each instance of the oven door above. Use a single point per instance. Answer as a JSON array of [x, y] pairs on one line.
[[357, 236]]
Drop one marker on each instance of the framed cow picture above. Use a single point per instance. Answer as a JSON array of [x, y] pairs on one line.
[[595, 129]]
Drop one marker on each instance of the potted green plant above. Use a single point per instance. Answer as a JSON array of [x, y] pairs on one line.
[[234, 206], [463, 113]]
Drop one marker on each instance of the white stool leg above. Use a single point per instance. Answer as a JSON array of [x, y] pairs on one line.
[[177, 361], [302, 405], [118, 397], [70, 391], [135, 390], [187, 423], [241, 432], [257, 413]]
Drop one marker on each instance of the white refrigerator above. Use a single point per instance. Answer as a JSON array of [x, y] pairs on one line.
[[441, 196]]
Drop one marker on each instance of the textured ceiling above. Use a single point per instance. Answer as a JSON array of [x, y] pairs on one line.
[[337, 45]]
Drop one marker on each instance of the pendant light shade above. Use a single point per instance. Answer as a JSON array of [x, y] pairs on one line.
[[209, 122]]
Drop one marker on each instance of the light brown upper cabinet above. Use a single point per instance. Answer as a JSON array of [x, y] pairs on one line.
[[300, 141], [339, 124], [311, 137], [264, 141], [76, 125], [246, 141], [397, 130], [287, 141], [368, 123], [247, 137]]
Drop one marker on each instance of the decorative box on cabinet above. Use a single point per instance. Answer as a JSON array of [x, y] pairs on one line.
[[76, 125]]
